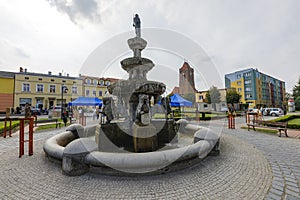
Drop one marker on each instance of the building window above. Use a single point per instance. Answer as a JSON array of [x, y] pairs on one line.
[[101, 82], [95, 82], [248, 88], [248, 96], [100, 93], [74, 90], [239, 89], [239, 83], [87, 93], [107, 83], [23, 101], [52, 80], [88, 81], [63, 81], [40, 79], [40, 88], [52, 89], [200, 97], [26, 87], [247, 81], [247, 74], [94, 93], [238, 76], [26, 78]]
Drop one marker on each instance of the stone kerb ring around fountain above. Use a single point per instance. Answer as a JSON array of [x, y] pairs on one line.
[[163, 46]]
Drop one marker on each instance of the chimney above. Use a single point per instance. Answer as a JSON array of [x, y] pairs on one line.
[[21, 69], [67, 75], [49, 73], [25, 70], [59, 73]]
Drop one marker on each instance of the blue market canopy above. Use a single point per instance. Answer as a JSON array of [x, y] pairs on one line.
[[177, 100], [86, 101]]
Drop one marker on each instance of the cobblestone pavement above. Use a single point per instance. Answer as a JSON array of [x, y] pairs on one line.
[[283, 155], [251, 166]]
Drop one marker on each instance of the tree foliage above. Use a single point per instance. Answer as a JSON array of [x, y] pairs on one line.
[[214, 93], [190, 97], [296, 90], [213, 96], [233, 97], [297, 103], [207, 98]]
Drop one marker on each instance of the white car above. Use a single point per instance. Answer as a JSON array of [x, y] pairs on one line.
[[273, 111]]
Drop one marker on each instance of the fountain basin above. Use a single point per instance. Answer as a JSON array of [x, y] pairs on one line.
[[77, 150]]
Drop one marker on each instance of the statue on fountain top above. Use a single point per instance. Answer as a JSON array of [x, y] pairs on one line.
[[137, 25]]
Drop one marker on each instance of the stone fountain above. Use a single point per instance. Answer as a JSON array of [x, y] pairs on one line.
[[134, 95], [130, 141]]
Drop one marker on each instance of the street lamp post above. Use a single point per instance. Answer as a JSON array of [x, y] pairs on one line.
[[64, 89]]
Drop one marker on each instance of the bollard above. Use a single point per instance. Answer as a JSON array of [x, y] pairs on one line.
[[4, 130], [30, 137], [231, 122], [10, 128], [21, 138]]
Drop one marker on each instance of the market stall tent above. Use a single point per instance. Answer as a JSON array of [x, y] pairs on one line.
[[86, 101], [177, 100]]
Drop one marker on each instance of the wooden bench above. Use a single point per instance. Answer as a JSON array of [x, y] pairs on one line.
[[280, 126], [48, 122]]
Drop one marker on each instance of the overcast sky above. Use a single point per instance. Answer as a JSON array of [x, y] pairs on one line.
[[60, 36]]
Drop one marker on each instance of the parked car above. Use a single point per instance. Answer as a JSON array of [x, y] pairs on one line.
[[276, 111], [55, 111], [35, 111], [57, 108], [273, 111], [252, 110]]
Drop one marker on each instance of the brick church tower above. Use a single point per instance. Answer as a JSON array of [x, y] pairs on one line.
[[186, 79]]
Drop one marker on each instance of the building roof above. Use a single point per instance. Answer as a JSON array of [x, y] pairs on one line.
[[231, 75], [175, 90], [100, 78], [4, 74], [185, 66]]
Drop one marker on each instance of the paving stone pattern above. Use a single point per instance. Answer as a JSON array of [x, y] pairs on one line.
[[248, 168], [283, 155]]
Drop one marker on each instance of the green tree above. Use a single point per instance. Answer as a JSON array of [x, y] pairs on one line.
[[297, 103], [296, 90], [232, 96], [213, 96], [190, 97], [207, 98]]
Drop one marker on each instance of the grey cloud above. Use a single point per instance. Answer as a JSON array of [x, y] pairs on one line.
[[21, 52], [17, 49], [78, 9]]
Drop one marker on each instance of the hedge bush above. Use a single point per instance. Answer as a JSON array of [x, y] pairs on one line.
[[285, 118]]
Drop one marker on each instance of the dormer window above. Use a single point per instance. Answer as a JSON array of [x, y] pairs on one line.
[[88, 81]]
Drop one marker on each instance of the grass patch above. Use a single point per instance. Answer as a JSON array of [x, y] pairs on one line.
[[264, 130], [42, 127], [294, 123], [45, 127], [14, 124]]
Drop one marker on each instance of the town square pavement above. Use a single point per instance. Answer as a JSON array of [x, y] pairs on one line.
[[251, 165]]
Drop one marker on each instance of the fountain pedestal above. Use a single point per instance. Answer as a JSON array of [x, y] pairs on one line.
[[144, 138]]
